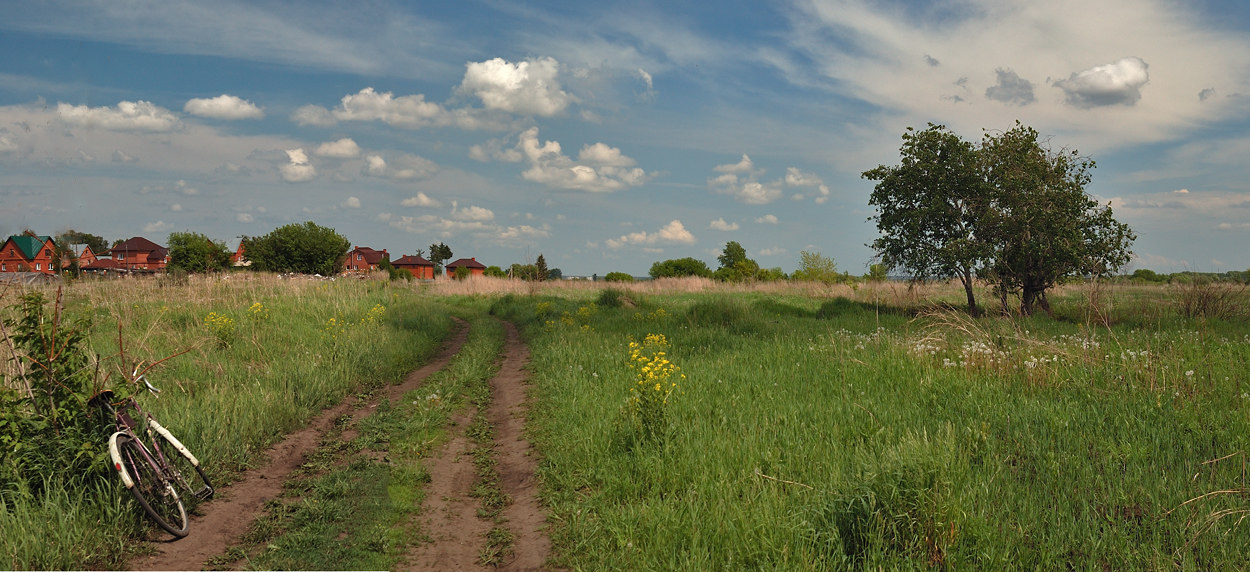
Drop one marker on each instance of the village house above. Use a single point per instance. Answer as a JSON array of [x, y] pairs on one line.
[[419, 267], [25, 253], [139, 253], [364, 259], [475, 268], [239, 258]]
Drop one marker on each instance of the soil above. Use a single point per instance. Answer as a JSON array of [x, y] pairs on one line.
[[449, 515]]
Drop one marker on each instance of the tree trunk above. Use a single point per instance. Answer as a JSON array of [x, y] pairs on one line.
[[966, 278]]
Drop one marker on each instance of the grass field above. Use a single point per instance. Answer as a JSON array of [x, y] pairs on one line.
[[815, 427]]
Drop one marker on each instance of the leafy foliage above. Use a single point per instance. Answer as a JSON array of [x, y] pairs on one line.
[[540, 268], [680, 267], [618, 277], [495, 272], [195, 252], [734, 264], [439, 253], [304, 248], [815, 267]]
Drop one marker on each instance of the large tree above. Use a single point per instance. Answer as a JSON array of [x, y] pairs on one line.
[[679, 267], [439, 253], [1042, 226], [305, 248], [195, 252], [929, 207], [1009, 211], [734, 264]]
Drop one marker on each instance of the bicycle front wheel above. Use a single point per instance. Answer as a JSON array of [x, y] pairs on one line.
[[151, 490], [188, 476]]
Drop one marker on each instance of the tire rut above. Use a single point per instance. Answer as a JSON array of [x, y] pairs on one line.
[[228, 516], [458, 535]]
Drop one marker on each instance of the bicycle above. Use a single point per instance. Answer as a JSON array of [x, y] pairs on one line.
[[155, 474]]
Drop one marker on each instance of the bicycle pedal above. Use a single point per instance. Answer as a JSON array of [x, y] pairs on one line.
[[204, 493]]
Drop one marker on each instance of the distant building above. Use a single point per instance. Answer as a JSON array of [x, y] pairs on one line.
[[419, 267], [139, 253], [475, 268], [25, 253], [364, 259]]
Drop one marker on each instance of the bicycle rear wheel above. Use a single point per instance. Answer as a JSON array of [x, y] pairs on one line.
[[188, 477], [155, 494]]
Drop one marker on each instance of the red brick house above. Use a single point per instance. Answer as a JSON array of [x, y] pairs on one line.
[[420, 268], [25, 253], [139, 253], [239, 258], [364, 259], [475, 268], [83, 254], [102, 266]]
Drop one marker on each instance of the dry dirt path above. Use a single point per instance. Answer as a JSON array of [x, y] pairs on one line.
[[450, 513], [235, 507]]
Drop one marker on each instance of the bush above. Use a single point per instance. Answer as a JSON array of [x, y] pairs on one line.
[[1202, 298], [618, 277]]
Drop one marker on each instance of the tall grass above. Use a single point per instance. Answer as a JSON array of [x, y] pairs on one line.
[[817, 434], [226, 401]]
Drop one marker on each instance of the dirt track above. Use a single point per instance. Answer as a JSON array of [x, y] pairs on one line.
[[449, 514]]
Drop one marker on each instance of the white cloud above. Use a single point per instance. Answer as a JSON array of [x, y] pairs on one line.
[[472, 213], [672, 233], [530, 87], [403, 111], [1117, 83], [298, 170], [797, 178], [119, 156], [767, 219], [493, 150], [244, 217], [185, 188], [772, 251], [127, 116], [177, 208], [403, 167], [743, 166], [746, 189], [344, 148], [720, 224], [599, 168], [223, 107], [421, 200], [158, 226], [313, 115], [7, 145], [352, 203]]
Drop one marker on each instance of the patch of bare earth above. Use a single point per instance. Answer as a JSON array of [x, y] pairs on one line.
[[450, 514], [228, 516]]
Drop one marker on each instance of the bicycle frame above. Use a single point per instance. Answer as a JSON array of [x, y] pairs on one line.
[[128, 426]]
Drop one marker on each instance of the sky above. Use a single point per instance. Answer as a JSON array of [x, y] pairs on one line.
[[603, 135]]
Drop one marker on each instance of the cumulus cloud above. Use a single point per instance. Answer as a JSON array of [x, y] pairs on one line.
[[119, 156], [297, 169], [471, 213], [7, 145], [126, 116], [344, 148], [1117, 83], [530, 87], [672, 233], [158, 226], [738, 181], [403, 167], [352, 203], [1011, 88], [223, 106], [720, 224], [244, 217], [598, 168], [421, 200], [494, 150], [767, 219], [314, 115], [407, 111], [743, 166], [797, 178], [1206, 94]]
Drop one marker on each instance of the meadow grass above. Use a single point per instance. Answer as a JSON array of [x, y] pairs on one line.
[[295, 347], [829, 434]]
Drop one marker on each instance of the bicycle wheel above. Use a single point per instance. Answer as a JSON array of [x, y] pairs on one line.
[[188, 477], [155, 494]]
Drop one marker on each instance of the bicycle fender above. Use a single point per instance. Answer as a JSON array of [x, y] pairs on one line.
[[116, 455], [177, 444]]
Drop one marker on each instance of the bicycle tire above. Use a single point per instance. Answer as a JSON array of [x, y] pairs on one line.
[[151, 490], [189, 477]]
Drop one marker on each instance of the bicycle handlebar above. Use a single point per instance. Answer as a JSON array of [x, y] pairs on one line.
[[151, 388]]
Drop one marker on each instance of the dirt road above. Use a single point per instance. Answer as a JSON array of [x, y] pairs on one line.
[[449, 515]]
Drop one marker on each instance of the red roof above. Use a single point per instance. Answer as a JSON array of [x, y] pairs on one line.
[[140, 244], [371, 256], [467, 263], [410, 260]]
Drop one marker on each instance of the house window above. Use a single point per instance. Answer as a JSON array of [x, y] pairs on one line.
[[38, 266], [360, 257], [121, 255]]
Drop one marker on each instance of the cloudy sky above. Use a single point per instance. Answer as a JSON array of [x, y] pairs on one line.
[[605, 136]]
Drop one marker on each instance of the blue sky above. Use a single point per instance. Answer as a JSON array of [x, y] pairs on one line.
[[605, 136]]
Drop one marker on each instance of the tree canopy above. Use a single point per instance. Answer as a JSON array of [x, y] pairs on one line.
[[679, 267], [305, 248], [734, 264], [439, 253], [195, 252], [1010, 211]]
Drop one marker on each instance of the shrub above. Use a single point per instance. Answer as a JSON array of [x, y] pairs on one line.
[[1203, 298], [618, 277]]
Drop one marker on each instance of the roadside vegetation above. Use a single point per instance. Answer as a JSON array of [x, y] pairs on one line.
[[255, 358]]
